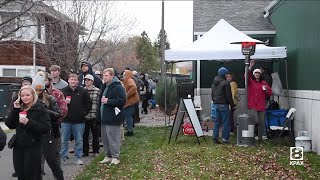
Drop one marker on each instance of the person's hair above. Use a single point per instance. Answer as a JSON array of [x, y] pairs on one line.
[[110, 70], [45, 98], [232, 76], [54, 68], [72, 76], [34, 94]]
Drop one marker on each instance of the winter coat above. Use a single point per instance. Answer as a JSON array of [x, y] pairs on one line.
[[55, 113], [79, 106], [116, 98], [131, 89], [256, 95], [3, 139], [97, 81], [38, 125], [221, 91]]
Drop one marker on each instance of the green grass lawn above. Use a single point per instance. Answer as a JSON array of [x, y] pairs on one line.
[[147, 155]]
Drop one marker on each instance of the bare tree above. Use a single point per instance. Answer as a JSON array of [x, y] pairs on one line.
[[72, 29], [95, 22]]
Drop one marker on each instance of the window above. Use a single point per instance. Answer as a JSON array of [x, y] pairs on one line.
[[9, 72], [23, 72], [8, 29]]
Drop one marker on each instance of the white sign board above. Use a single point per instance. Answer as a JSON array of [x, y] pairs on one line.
[[186, 106]]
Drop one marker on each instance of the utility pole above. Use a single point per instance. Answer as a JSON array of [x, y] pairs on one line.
[[162, 43]]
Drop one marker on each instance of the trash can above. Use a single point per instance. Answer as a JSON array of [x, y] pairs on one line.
[[245, 130]]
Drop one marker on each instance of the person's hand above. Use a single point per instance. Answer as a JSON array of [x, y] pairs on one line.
[[16, 104], [104, 100], [252, 62], [24, 121]]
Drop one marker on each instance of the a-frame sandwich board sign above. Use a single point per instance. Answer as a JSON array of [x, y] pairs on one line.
[[186, 106]]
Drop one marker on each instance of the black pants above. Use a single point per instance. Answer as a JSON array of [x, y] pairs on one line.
[[145, 103], [135, 114], [49, 151], [27, 162], [94, 128]]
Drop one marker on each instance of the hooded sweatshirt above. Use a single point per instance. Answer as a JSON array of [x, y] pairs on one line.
[[131, 89], [97, 81], [221, 91]]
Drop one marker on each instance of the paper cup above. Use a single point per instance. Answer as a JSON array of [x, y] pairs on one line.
[[264, 87], [68, 98], [23, 114]]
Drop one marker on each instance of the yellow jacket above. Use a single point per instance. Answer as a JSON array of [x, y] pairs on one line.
[[234, 91]]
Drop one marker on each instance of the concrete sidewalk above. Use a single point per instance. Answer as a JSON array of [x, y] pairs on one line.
[[70, 170]]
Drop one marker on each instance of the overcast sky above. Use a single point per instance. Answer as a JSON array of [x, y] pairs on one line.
[[178, 19]]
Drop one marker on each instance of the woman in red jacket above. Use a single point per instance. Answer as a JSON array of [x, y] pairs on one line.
[[258, 92]]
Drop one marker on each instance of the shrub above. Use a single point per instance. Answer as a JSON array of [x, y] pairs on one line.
[[171, 92]]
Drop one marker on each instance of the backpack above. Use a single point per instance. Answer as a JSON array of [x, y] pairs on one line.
[[273, 105]]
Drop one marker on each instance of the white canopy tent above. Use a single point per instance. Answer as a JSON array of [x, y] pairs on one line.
[[216, 45]]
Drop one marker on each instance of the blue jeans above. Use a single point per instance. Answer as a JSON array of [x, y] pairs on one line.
[[127, 113], [221, 112], [77, 130]]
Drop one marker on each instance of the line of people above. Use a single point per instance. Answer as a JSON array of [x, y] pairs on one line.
[[47, 111], [225, 97]]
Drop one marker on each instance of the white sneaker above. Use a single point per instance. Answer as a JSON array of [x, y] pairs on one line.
[[115, 161], [257, 138], [79, 162], [264, 137], [105, 160]]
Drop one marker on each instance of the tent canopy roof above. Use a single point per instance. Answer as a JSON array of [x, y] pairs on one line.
[[216, 45]]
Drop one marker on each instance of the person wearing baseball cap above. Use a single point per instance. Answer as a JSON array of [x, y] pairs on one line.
[[86, 68], [26, 80], [90, 118]]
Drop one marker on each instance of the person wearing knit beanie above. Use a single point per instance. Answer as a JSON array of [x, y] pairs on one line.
[[222, 98], [222, 71], [39, 81]]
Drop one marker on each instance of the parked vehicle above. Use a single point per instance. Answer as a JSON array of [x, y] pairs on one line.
[[7, 91]]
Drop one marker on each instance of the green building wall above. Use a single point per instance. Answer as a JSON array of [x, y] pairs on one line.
[[297, 27]]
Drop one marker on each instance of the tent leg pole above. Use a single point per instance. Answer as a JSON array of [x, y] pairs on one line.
[[287, 83]]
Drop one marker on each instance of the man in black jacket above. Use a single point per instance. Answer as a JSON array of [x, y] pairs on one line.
[[86, 68], [222, 98], [79, 105]]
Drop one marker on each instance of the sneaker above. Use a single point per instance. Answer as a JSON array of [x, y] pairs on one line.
[[216, 141], [115, 161], [14, 174], [71, 151], [129, 133], [85, 154], [264, 137], [225, 141], [105, 160], [63, 161], [257, 138], [79, 162]]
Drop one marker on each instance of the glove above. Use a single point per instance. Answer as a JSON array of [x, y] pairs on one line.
[[54, 114]]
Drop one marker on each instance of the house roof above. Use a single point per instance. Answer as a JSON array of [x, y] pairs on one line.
[[38, 7], [243, 15]]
